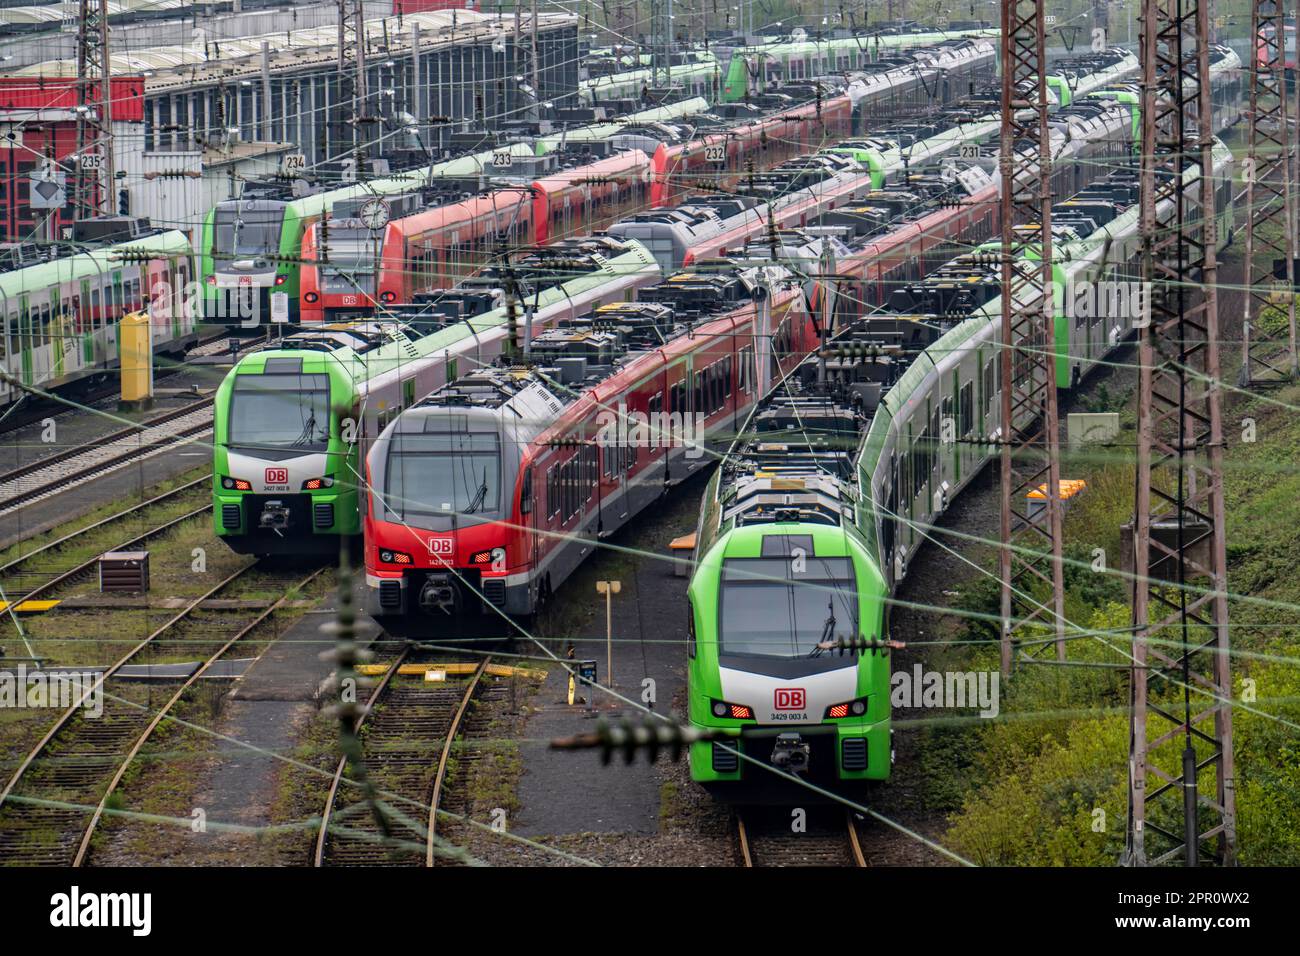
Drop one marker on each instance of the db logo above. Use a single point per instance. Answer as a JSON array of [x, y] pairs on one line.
[[440, 546], [277, 476], [789, 698]]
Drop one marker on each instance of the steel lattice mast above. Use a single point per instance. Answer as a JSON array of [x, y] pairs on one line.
[[663, 40], [1268, 350], [1182, 717], [94, 156], [351, 105], [1030, 556]]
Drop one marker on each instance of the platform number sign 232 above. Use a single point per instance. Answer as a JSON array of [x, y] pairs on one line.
[[716, 153]]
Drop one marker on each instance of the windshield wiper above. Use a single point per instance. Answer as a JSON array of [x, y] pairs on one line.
[[308, 428], [828, 632], [479, 495]]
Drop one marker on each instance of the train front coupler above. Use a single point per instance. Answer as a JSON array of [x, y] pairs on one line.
[[791, 753], [274, 517]]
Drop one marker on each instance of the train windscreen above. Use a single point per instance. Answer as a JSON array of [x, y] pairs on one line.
[[280, 412], [350, 266], [783, 607], [443, 473], [240, 232]]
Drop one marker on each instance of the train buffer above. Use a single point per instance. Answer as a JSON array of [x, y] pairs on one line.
[[683, 550]]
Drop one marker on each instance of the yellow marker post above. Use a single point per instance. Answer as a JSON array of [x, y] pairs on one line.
[[137, 362]]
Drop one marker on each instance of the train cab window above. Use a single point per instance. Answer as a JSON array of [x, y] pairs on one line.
[[526, 493]]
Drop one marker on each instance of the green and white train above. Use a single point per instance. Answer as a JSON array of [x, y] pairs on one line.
[[730, 73], [61, 303], [293, 423], [822, 505]]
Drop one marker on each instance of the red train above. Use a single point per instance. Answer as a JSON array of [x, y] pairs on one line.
[[1266, 47], [455, 235], [499, 483], [717, 160]]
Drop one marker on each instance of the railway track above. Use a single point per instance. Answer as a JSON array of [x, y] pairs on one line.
[[67, 469], [14, 573], [218, 345], [55, 798], [768, 840], [16, 567], [402, 724]]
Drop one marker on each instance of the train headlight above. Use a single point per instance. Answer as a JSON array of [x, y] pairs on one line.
[[721, 708], [236, 484], [495, 556], [279, 280], [388, 296], [388, 556], [212, 280], [316, 484], [310, 297], [850, 708]]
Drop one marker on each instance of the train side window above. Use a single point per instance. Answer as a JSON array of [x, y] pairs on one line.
[[966, 410]]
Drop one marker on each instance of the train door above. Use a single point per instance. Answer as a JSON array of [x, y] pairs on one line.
[[889, 522], [910, 465], [9, 318], [62, 330], [531, 540], [25, 341]]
